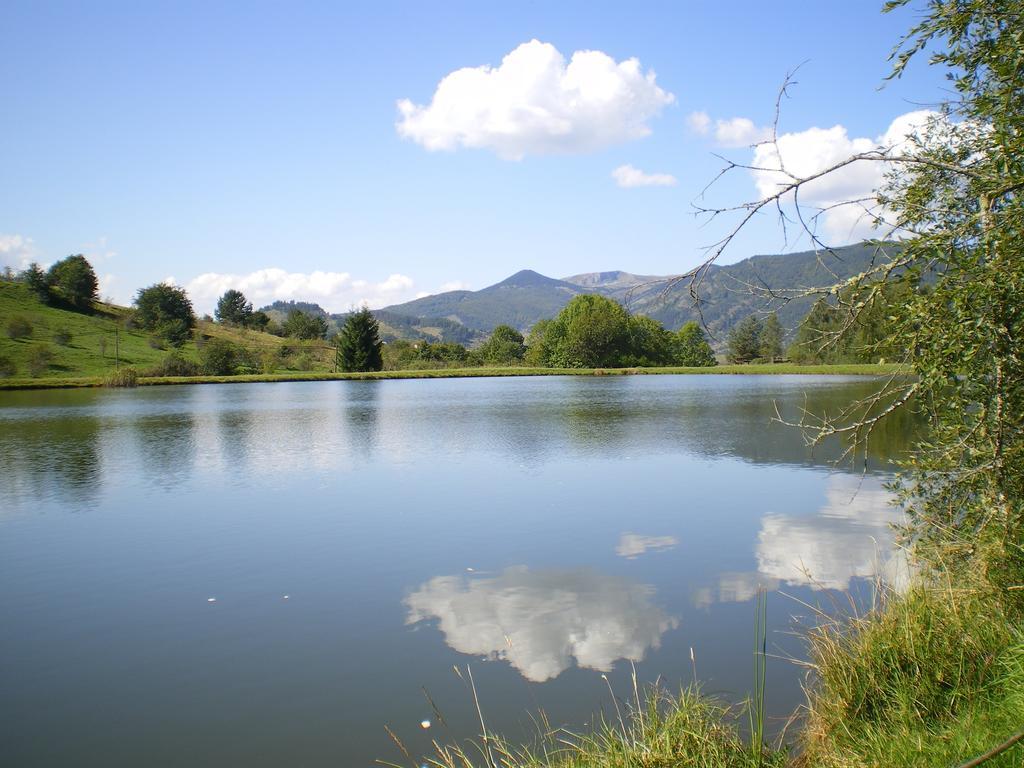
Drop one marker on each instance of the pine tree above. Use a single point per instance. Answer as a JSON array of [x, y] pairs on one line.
[[771, 338], [745, 340], [359, 343]]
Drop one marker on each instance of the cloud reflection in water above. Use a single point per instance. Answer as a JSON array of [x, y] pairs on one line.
[[850, 537], [540, 621]]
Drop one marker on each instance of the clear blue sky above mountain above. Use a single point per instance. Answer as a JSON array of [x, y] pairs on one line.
[[262, 144]]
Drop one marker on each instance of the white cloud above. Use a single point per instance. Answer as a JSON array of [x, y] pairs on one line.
[[627, 176], [804, 153], [534, 103], [17, 251], [699, 123], [454, 285], [334, 291], [539, 621], [632, 545], [739, 132]]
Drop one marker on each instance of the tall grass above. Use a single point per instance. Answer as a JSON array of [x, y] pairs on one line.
[[932, 678], [654, 730]]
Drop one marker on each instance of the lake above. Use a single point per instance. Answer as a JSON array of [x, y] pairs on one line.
[[267, 574]]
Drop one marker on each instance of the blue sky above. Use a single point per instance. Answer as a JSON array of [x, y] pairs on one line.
[[262, 145]]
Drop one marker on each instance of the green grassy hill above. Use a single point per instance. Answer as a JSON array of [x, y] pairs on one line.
[[89, 344]]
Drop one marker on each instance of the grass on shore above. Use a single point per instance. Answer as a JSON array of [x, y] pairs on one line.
[[66, 382]]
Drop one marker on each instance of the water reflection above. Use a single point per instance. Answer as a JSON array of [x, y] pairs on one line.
[[632, 545], [852, 536], [541, 620]]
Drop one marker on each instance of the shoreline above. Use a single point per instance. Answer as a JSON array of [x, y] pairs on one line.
[[763, 369]]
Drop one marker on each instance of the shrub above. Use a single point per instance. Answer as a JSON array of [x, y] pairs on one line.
[[303, 362], [174, 365], [7, 367], [219, 358], [39, 360], [62, 337], [18, 328]]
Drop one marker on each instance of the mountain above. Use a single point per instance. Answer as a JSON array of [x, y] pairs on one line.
[[730, 293], [610, 282], [520, 301], [725, 294]]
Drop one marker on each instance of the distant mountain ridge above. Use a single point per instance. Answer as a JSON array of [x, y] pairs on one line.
[[526, 297]]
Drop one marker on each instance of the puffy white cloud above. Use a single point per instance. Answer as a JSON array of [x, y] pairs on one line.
[[633, 545], [739, 132], [17, 251], [539, 621], [334, 291], [627, 176], [454, 285], [535, 103], [804, 153], [699, 123]]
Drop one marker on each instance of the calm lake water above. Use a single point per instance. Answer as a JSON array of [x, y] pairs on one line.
[[267, 574]]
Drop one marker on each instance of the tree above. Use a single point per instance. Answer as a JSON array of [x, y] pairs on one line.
[[234, 309], [74, 280], [536, 350], [589, 332], [359, 345], [505, 346], [167, 311], [745, 340], [649, 343], [692, 348], [38, 282], [259, 321], [301, 325], [954, 198], [771, 338]]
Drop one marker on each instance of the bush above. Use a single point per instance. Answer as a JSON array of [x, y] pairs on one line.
[[62, 337], [18, 328], [219, 358], [122, 377], [303, 362], [155, 342], [7, 367], [39, 360], [174, 365]]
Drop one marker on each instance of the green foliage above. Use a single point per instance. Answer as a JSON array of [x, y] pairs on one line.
[[536, 350], [692, 348], [301, 325], [961, 194], [8, 367], [167, 310], [74, 280], [359, 345], [175, 364], [858, 327], [259, 321], [37, 281], [592, 331], [505, 346], [18, 328], [771, 339], [649, 344], [744, 342], [234, 309], [218, 358]]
